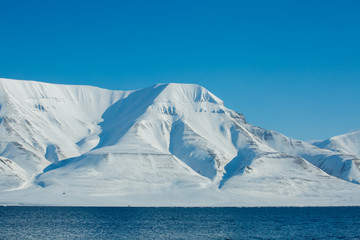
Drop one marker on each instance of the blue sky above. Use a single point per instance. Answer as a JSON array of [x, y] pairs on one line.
[[290, 66]]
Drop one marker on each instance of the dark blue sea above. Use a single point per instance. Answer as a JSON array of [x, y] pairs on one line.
[[179, 223]]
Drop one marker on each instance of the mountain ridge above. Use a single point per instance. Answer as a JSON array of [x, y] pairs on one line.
[[155, 142], [348, 143]]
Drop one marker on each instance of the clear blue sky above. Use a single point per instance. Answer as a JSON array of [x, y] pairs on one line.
[[290, 66]]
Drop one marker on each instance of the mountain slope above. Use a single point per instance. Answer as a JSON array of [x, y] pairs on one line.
[[347, 143], [337, 164], [162, 145], [41, 123]]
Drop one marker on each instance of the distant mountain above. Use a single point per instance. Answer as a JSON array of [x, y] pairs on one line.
[[347, 143], [169, 144]]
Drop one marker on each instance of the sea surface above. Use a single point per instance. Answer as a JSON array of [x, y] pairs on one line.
[[179, 223]]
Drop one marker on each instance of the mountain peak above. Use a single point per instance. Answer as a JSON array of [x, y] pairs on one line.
[[180, 92], [348, 143], [164, 140], [350, 134]]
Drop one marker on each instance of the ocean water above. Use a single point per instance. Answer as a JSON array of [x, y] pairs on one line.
[[179, 223]]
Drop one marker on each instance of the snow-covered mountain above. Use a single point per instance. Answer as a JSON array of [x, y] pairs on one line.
[[169, 144], [347, 143]]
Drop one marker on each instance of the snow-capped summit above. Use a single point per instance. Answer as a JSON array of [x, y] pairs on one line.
[[347, 143], [176, 93], [169, 144]]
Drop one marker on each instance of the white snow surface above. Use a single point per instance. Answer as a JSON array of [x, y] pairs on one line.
[[347, 143], [165, 145]]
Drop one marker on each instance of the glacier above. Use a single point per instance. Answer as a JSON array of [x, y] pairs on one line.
[[165, 145]]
